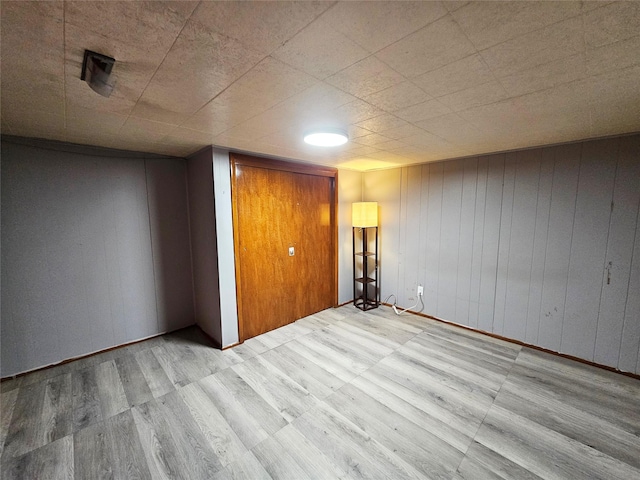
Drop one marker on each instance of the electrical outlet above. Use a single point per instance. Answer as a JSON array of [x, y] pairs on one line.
[[420, 290]]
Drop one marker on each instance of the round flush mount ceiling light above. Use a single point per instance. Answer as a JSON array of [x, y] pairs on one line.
[[327, 137]]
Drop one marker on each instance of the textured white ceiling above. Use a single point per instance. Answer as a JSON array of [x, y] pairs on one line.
[[411, 81]]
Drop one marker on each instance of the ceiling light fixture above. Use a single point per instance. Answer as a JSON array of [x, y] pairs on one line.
[[327, 137]]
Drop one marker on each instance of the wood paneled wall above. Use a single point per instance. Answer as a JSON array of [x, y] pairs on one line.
[[540, 245], [95, 250]]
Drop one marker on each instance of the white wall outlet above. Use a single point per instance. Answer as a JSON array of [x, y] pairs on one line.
[[420, 290]]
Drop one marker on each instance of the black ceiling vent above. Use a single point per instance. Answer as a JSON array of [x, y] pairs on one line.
[[96, 71]]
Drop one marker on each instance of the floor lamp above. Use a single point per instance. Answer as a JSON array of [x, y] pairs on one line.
[[364, 220]]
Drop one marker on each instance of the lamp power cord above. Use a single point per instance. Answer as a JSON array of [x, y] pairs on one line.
[[400, 312]]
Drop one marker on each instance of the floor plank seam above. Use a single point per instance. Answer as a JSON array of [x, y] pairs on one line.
[[384, 357], [473, 439]]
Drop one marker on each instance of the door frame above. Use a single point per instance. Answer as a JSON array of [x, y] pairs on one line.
[[239, 159]]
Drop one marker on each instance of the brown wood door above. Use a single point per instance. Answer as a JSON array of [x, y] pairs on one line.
[[275, 210]]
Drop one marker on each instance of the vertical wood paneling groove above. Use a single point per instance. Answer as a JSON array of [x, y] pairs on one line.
[[402, 236], [413, 205], [449, 233], [166, 206], [473, 311], [606, 259], [504, 244], [630, 292], [151, 246], [399, 230], [384, 187], [535, 225], [618, 260], [433, 234], [543, 212], [593, 208], [629, 355], [630, 299], [465, 240], [521, 240], [491, 240], [457, 235], [631, 329], [423, 268], [605, 274], [535, 229], [478, 244], [566, 289], [564, 303], [561, 213]]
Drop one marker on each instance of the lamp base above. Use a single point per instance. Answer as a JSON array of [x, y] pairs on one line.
[[365, 304]]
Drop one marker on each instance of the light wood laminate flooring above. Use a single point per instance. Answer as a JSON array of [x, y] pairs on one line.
[[338, 395]]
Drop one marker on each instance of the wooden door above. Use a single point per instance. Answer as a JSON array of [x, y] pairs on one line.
[[276, 209]]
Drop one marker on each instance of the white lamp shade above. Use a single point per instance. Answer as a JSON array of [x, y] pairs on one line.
[[364, 214]]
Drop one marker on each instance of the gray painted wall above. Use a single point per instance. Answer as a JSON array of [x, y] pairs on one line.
[[212, 245], [226, 249], [95, 251], [204, 246], [519, 244], [170, 242], [95, 246], [349, 191]]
